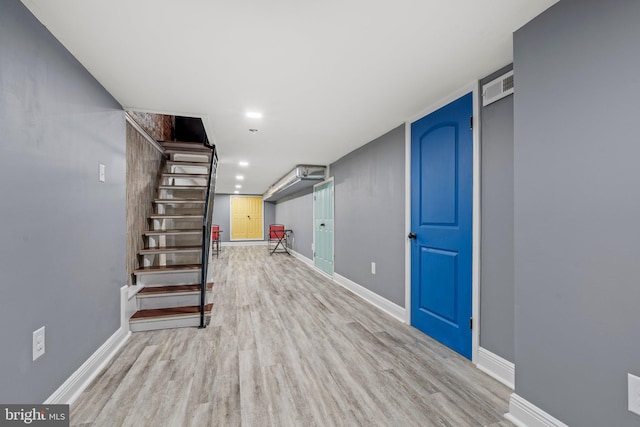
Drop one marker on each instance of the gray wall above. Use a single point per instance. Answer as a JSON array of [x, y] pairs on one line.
[[221, 215], [62, 260], [496, 295], [577, 206], [369, 215], [269, 217], [296, 213], [222, 212]]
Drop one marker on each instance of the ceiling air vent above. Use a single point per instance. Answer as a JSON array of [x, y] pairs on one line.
[[300, 178], [497, 89]]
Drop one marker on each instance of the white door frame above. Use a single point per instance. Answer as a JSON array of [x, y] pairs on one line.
[[333, 215], [474, 88]]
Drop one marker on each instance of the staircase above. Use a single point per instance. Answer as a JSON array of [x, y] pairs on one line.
[[171, 270]]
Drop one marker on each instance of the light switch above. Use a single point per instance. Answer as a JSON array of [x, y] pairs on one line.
[[101, 175], [38, 343], [634, 393]]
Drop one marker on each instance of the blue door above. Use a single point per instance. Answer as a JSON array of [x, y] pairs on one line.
[[441, 221]]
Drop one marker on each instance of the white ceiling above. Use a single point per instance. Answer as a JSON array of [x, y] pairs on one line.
[[328, 76]]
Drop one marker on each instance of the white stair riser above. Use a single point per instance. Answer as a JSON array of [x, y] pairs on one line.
[[164, 279], [146, 302], [174, 240], [176, 193], [196, 209], [165, 323], [183, 181], [182, 164], [171, 259], [187, 157], [177, 223], [199, 170]]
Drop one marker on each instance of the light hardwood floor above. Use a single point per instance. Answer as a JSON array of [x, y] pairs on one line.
[[287, 347]]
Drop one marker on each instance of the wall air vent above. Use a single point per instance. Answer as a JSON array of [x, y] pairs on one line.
[[497, 89]]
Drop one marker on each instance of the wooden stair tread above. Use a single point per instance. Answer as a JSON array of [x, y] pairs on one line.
[[170, 216], [185, 163], [169, 249], [189, 151], [170, 312], [168, 268], [170, 298], [182, 187], [182, 144], [184, 175], [185, 146], [178, 201], [150, 290], [172, 231]]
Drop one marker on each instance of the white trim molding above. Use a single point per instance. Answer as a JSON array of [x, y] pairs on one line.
[[525, 414], [244, 243], [497, 367], [372, 298], [407, 221], [128, 304], [476, 224], [69, 391], [302, 258], [472, 87]]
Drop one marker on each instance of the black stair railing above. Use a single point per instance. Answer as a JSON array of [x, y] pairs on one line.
[[206, 230]]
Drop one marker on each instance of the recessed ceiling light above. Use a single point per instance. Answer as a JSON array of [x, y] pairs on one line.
[[254, 115], [253, 130], [239, 177], [243, 163], [236, 192], [238, 186]]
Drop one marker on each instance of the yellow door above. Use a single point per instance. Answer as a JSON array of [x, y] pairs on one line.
[[246, 218]]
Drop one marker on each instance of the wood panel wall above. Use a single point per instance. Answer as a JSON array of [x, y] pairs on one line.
[[144, 166], [159, 126]]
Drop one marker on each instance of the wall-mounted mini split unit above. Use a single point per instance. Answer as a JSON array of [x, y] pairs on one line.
[[497, 89]]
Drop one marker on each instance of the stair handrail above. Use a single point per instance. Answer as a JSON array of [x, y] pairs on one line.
[[207, 222]]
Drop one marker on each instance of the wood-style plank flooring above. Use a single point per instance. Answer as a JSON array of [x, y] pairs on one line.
[[288, 347]]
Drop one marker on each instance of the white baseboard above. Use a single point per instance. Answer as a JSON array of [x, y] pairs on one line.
[[371, 297], [81, 378], [525, 414], [310, 263], [302, 258], [376, 300], [497, 367], [244, 243], [128, 304]]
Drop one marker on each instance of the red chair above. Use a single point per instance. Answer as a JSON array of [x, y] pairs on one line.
[[215, 238], [277, 239]]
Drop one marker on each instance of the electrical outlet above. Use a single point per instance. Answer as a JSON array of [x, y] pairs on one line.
[[101, 173], [633, 383], [38, 343], [373, 268]]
